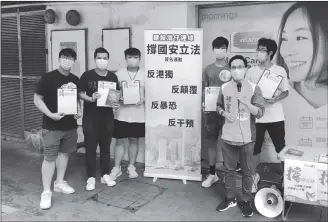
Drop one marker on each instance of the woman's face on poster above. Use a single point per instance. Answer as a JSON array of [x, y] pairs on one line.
[[297, 45]]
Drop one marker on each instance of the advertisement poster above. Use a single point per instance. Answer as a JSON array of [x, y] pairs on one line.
[[173, 64], [300, 51], [306, 182]]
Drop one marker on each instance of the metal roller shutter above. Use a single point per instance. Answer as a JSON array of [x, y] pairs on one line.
[[33, 63], [11, 116], [9, 46]]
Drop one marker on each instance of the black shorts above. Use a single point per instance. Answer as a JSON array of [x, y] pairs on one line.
[[212, 125], [128, 130]]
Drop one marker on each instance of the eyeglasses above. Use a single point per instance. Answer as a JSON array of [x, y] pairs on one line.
[[67, 58], [261, 50], [237, 67]]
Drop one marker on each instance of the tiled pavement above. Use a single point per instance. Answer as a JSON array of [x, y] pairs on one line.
[[130, 200]]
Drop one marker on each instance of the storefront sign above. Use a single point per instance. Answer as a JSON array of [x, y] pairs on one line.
[[173, 64]]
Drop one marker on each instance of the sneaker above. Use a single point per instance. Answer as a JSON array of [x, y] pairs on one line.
[[45, 202], [246, 209], [108, 180], [63, 187], [132, 172], [91, 184], [226, 204], [238, 169], [116, 172], [210, 180]]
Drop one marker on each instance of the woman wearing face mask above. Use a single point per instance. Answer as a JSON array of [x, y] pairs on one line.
[[130, 119], [98, 122], [239, 102]]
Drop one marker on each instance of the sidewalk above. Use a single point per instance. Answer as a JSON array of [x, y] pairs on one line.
[[129, 200]]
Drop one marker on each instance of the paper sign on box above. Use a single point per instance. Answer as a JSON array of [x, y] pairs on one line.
[[211, 98]]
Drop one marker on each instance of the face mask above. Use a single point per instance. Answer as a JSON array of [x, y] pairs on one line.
[[66, 64], [261, 56], [132, 62], [101, 64], [220, 53], [238, 74]]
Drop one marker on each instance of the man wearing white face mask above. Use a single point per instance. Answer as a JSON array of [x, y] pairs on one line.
[[239, 102], [98, 122], [215, 75], [130, 119], [274, 119], [59, 131]]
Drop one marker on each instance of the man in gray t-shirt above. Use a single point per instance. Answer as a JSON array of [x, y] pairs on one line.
[[215, 75]]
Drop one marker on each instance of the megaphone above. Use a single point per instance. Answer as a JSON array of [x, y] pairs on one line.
[[268, 202]]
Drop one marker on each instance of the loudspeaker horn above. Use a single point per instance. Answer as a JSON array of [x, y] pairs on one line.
[[269, 202]]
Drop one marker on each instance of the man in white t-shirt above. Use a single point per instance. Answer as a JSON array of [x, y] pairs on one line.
[[273, 119], [129, 119]]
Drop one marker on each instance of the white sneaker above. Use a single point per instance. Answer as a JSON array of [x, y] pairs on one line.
[[132, 172], [210, 180], [116, 172], [108, 180], [91, 184], [45, 202], [63, 187]]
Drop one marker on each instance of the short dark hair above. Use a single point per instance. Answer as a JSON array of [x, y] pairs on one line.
[[100, 50], [132, 52], [68, 52], [238, 57], [270, 44], [219, 42]]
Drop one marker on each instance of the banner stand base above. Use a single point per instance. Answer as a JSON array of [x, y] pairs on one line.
[[162, 176]]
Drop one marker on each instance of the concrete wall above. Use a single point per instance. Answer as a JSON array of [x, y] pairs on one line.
[[136, 15]]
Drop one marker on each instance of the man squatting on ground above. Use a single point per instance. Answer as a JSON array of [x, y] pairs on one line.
[[97, 122], [129, 119], [59, 131], [215, 75], [239, 102]]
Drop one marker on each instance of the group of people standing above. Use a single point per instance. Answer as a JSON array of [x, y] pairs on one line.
[[59, 131], [240, 122], [242, 117]]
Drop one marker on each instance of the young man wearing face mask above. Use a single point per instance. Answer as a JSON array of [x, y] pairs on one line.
[[59, 131], [130, 119], [273, 119], [98, 122], [215, 75], [239, 102]]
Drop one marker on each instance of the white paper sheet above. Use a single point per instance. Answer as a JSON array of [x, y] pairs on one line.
[[103, 89], [67, 101], [269, 83], [211, 98], [131, 92]]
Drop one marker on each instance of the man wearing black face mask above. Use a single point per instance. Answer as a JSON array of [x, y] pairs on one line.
[[239, 102]]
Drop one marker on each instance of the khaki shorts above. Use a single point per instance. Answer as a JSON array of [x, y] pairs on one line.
[[58, 142]]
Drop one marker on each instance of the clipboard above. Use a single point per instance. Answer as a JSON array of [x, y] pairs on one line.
[[211, 98], [269, 83], [67, 99], [103, 90], [131, 92]]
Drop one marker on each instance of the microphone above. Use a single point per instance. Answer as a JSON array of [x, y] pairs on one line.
[[239, 87]]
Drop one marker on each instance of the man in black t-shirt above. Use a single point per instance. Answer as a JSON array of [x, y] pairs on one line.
[[98, 122], [59, 131]]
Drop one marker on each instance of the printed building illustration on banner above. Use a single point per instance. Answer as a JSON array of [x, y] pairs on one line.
[[173, 62], [71, 45], [244, 41]]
